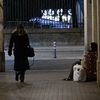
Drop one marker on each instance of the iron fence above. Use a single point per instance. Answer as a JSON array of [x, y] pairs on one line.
[[44, 13]]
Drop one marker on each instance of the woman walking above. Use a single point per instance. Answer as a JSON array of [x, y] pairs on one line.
[[19, 42]]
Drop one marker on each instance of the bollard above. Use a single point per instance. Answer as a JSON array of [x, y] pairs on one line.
[[54, 47]]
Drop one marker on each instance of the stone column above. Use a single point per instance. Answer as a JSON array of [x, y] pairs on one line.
[[87, 23], [98, 41], [94, 20], [2, 68]]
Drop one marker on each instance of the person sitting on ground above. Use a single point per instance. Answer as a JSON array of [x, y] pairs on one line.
[[88, 62], [70, 76]]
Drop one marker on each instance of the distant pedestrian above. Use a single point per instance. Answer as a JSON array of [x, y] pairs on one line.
[[19, 42]]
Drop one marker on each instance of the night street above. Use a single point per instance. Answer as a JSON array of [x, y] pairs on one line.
[[44, 58]]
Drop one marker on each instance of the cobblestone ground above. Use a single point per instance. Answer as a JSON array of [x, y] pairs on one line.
[[46, 85]]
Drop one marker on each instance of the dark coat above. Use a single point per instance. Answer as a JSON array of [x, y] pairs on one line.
[[19, 44], [90, 64]]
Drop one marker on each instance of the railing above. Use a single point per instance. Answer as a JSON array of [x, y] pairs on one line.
[[55, 14]]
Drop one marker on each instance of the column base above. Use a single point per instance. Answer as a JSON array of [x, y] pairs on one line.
[[2, 62], [98, 73]]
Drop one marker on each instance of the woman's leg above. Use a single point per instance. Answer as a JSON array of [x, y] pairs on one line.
[[22, 76], [17, 73]]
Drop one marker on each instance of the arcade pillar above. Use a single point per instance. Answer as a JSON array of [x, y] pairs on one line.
[[2, 56]]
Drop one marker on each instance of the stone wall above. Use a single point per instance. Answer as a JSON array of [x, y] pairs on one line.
[[62, 39], [46, 38]]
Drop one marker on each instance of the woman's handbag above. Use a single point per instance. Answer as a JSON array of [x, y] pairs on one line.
[[30, 52]]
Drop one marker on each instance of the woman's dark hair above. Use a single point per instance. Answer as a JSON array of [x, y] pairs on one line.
[[21, 27], [94, 46]]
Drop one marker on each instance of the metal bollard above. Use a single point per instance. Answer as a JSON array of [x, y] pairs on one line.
[[54, 47]]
